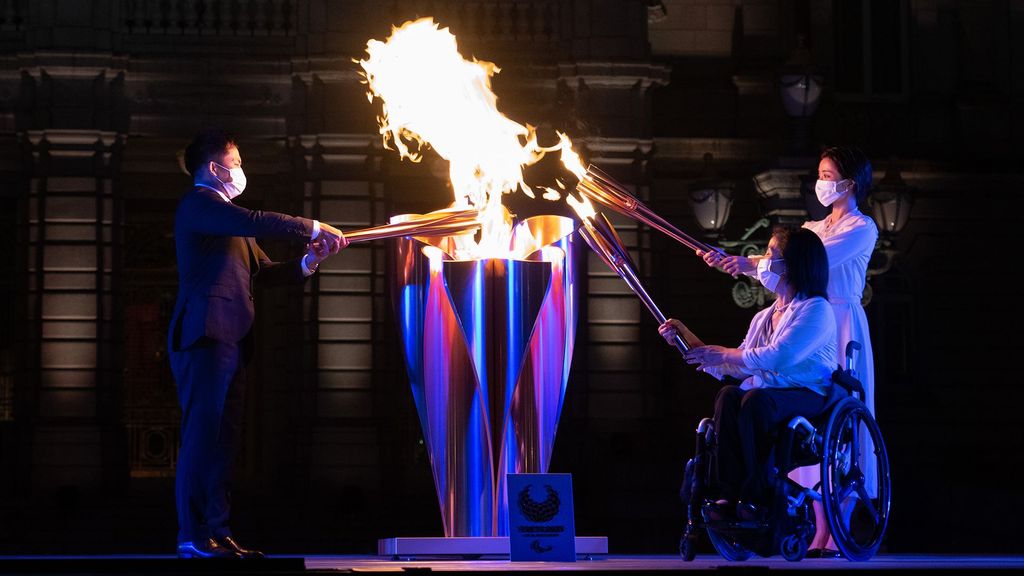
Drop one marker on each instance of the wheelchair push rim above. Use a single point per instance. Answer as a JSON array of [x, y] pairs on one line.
[[728, 547], [857, 531]]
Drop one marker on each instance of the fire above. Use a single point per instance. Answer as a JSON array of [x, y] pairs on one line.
[[570, 159], [584, 209], [432, 96]]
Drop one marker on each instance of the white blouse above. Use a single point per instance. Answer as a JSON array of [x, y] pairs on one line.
[[800, 352], [849, 243]]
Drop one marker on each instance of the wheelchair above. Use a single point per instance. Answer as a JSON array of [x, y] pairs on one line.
[[838, 440]]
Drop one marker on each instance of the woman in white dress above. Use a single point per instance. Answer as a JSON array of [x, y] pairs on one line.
[[844, 180]]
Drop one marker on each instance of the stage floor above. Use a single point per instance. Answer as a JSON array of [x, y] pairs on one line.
[[323, 564]]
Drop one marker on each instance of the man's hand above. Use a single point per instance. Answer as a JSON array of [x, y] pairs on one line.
[[316, 252], [333, 238]]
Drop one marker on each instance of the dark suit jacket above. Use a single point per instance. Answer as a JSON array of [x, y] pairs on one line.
[[218, 258]]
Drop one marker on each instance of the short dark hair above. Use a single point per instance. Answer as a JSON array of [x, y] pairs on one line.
[[806, 261], [207, 145], [852, 163]]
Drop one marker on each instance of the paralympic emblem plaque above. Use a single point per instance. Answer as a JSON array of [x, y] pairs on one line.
[[540, 518]]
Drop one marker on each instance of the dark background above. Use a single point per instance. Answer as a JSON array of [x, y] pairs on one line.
[[98, 98]]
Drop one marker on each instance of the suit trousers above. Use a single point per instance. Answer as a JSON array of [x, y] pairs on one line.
[[211, 391], [747, 422]]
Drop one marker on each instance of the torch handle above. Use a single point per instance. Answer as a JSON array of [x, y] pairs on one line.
[[422, 226], [602, 189], [660, 224], [602, 239], [627, 274], [677, 341]]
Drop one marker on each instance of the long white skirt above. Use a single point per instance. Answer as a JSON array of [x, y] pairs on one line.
[[852, 324]]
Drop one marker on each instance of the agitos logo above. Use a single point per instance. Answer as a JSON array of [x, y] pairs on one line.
[[539, 511]]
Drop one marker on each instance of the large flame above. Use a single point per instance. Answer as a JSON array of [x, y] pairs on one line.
[[432, 96]]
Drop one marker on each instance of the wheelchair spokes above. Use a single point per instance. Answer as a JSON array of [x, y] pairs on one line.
[[856, 498], [869, 506], [846, 491]]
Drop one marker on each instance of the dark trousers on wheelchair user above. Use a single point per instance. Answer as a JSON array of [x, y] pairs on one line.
[[747, 422]]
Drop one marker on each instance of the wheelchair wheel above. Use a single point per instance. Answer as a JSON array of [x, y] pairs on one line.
[[728, 547], [856, 505], [793, 548]]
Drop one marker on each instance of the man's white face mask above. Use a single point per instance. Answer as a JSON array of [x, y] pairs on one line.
[[237, 184], [828, 191]]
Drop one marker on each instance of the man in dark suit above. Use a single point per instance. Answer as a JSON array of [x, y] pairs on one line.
[[209, 336]]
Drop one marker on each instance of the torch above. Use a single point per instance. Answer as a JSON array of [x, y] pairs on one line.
[[602, 238], [448, 221], [601, 188]]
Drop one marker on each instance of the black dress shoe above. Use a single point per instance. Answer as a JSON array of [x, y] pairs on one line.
[[209, 548], [229, 543]]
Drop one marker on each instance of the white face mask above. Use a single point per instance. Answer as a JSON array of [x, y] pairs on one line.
[[828, 191], [765, 276], [237, 184]]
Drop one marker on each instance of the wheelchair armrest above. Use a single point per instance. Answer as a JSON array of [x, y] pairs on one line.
[[844, 379]]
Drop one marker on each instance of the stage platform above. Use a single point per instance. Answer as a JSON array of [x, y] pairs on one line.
[[619, 564]]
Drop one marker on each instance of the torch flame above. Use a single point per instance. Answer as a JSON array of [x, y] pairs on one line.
[[570, 159], [434, 97], [584, 209]]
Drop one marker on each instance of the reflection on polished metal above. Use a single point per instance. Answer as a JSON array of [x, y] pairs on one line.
[[437, 223], [487, 344]]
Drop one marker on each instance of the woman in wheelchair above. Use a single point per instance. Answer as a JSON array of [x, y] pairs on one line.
[[762, 428], [785, 365]]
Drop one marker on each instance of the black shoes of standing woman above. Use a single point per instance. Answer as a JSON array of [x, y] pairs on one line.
[[224, 548], [824, 553]]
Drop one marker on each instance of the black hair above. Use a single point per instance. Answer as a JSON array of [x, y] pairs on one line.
[[209, 144], [852, 163], [806, 261]]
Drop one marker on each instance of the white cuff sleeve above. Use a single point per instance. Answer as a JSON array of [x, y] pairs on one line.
[[306, 270]]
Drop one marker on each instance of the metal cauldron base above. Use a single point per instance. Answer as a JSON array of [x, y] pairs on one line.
[[472, 547]]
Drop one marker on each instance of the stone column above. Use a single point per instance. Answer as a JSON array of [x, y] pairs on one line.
[[73, 244]]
